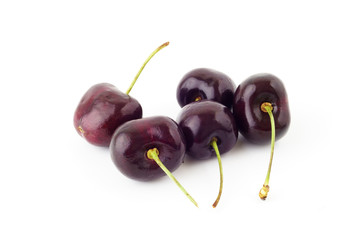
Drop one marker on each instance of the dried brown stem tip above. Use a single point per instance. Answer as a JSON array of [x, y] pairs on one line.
[[164, 45], [264, 192]]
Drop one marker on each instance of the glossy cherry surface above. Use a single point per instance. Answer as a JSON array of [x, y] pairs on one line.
[[205, 83], [101, 110], [253, 123], [132, 140], [201, 122]]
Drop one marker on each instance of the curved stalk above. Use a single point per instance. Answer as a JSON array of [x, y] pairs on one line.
[[214, 145], [154, 155], [144, 64], [267, 107]]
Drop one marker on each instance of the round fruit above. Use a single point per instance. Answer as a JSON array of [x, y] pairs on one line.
[[203, 121], [205, 83], [132, 141], [253, 123], [101, 110]]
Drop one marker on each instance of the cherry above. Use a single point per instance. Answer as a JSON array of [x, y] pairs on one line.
[[103, 108], [205, 83], [262, 113], [148, 148], [210, 130]]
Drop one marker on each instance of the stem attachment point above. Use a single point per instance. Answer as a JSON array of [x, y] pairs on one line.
[[198, 98], [266, 105]]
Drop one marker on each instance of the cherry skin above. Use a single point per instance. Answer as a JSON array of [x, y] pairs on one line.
[[132, 140], [101, 110], [205, 83], [203, 121], [253, 123]]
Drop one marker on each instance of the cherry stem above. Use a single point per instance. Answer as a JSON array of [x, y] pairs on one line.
[[144, 64], [267, 107], [214, 145], [154, 155]]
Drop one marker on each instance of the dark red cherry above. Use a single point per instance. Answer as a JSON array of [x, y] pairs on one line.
[[262, 113], [205, 83], [253, 123], [147, 148], [101, 110], [203, 121], [210, 129], [133, 139]]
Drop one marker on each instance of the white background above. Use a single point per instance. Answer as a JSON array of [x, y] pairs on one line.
[[54, 185]]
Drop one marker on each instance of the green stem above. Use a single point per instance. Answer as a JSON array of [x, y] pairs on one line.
[[144, 64], [265, 189], [214, 145], [154, 155]]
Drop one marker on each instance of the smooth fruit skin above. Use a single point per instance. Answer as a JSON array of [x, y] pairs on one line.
[[253, 123], [132, 140], [101, 110], [207, 84], [201, 122]]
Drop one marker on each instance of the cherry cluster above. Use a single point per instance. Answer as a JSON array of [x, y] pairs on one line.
[[213, 112]]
